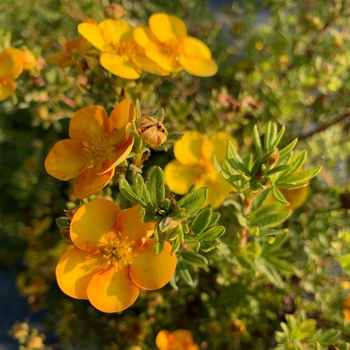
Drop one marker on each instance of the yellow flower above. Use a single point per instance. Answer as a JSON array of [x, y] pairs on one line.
[[11, 66], [180, 339], [96, 146], [194, 165], [120, 53], [113, 257], [166, 42]]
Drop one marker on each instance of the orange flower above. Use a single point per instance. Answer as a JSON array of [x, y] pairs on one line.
[[97, 145], [11, 66], [65, 59], [28, 59], [166, 42], [113, 257], [120, 53], [180, 339]]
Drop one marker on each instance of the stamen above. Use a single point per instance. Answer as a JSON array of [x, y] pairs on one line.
[[119, 253]]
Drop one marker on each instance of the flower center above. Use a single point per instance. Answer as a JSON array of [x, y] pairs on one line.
[[97, 148], [119, 253], [173, 48], [207, 171], [123, 47]]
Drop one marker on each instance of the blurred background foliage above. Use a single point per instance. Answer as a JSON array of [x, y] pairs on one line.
[[284, 61]]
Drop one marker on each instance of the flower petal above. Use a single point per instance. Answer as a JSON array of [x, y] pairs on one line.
[[194, 47], [114, 31], [112, 291], [198, 66], [188, 150], [120, 66], [7, 88], [75, 270], [90, 183], [217, 192], [65, 160], [217, 144], [11, 63], [87, 123], [166, 27], [180, 177], [131, 228], [121, 115], [149, 66], [93, 225], [151, 271], [117, 157], [93, 34]]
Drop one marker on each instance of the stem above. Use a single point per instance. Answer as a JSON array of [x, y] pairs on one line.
[[345, 116]]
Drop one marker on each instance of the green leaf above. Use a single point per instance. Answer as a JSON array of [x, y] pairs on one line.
[[192, 243], [231, 152], [268, 136], [296, 162], [260, 199], [278, 195], [278, 169], [277, 139], [157, 186], [242, 220], [282, 265], [290, 186], [172, 282], [211, 234], [270, 272], [145, 198], [240, 167], [284, 151], [158, 246], [271, 219], [257, 143], [146, 215], [175, 245], [194, 200], [302, 177], [194, 259], [159, 114], [127, 191], [183, 272], [255, 185], [208, 246], [214, 218], [201, 221]]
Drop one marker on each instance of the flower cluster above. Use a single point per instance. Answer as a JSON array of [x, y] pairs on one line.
[[96, 146], [194, 165], [113, 257], [125, 51], [12, 62]]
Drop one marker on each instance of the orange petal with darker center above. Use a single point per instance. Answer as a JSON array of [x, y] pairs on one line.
[[88, 123], [7, 87], [93, 224], [151, 271], [112, 291], [75, 270], [90, 183], [65, 160]]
